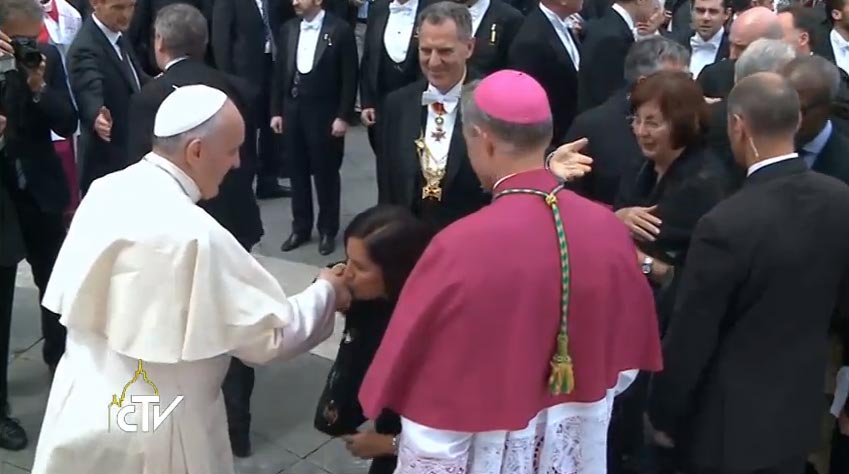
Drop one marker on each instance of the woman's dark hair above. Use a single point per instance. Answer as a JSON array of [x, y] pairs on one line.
[[395, 239], [681, 102]]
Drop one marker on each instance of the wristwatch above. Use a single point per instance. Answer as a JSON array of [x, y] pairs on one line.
[[647, 265]]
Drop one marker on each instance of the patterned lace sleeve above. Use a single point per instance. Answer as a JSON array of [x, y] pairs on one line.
[[424, 450]]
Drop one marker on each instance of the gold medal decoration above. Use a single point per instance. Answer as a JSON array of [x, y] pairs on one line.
[[432, 188]]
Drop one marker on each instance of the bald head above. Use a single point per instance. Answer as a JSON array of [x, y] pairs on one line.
[[767, 105], [751, 25], [816, 74]]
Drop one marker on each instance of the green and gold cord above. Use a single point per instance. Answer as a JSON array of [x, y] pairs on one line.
[[562, 377]]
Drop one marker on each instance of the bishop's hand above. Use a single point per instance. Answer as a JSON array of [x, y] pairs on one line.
[[568, 163]]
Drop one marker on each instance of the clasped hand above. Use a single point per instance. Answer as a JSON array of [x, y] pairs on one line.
[[336, 277]]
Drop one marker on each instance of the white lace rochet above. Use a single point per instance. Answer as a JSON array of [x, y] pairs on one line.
[[565, 439]]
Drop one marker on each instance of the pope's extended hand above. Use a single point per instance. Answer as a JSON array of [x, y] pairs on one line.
[[336, 277], [568, 163]]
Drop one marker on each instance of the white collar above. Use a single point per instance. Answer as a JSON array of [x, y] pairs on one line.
[[316, 22], [175, 61], [112, 36], [837, 40], [479, 8], [626, 17], [564, 24], [186, 183], [770, 161], [714, 40]]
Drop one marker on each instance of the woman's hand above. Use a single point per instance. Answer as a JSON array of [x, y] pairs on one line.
[[641, 222], [369, 445]]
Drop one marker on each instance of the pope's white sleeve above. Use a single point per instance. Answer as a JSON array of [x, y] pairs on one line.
[[424, 450], [311, 322]]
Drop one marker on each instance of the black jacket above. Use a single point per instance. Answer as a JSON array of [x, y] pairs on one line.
[[334, 66], [746, 350], [28, 138], [235, 207], [538, 51], [717, 79], [612, 146], [603, 52], [833, 159], [98, 79], [495, 34], [238, 36]]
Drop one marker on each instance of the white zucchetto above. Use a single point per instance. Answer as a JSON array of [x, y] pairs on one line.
[[186, 108]]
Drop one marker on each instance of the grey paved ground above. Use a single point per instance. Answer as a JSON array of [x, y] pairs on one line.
[[285, 394]]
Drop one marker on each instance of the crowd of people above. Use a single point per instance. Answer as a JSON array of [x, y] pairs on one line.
[[609, 237]]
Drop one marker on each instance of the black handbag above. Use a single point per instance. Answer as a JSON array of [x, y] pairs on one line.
[[338, 412]]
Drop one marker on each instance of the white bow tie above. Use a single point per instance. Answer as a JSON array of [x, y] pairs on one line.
[[306, 25], [696, 42], [449, 101], [396, 7]]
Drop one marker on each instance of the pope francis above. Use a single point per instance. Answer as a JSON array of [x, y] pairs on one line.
[[156, 297]]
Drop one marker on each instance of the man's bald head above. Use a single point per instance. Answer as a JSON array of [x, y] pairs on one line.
[[753, 24]]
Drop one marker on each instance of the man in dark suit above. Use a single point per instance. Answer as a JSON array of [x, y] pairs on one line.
[[35, 102], [708, 43], [605, 46], [244, 41], [744, 357], [390, 60], [104, 73], [315, 87], [546, 48], [426, 167], [717, 80], [140, 33], [181, 37], [834, 38], [819, 144], [612, 144], [494, 25]]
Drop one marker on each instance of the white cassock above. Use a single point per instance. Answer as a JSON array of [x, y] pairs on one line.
[[145, 274]]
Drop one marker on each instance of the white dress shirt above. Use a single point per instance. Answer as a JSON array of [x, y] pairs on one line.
[[561, 26], [704, 52], [438, 157], [399, 29], [627, 18], [113, 37], [770, 161], [841, 50], [307, 42], [477, 11]]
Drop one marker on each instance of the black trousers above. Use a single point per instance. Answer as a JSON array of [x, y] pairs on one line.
[[43, 234], [270, 161], [839, 452], [237, 388], [313, 154], [7, 295]]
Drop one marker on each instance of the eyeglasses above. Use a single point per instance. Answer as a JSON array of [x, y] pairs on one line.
[[649, 125]]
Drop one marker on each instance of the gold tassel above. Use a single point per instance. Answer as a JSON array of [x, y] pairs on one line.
[[562, 378]]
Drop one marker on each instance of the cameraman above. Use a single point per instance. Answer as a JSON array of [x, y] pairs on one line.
[[34, 100]]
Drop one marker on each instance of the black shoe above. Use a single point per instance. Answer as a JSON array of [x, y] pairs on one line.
[[12, 436], [240, 445], [326, 245], [272, 191], [294, 241]]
